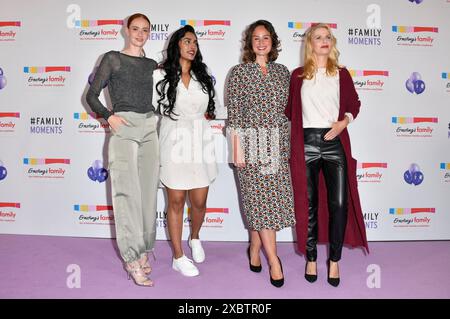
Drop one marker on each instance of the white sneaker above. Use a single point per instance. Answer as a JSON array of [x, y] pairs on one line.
[[185, 266], [198, 254]]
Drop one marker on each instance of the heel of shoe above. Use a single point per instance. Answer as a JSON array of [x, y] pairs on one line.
[[277, 282], [310, 278], [332, 281], [252, 267], [145, 264], [135, 272]]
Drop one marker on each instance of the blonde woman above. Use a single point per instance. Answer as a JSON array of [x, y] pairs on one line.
[[322, 103]]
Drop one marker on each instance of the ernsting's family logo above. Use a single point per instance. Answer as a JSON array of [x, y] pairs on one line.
[[299, 29], [93, 29], [372, 80], [90, 123], [215, 217], [415, 35], [46, 167], [8, 211], [8, 121], [411, 217], [414, 126], [208, 29], [46, 76], [370, 172], [94, 214], [8, 30]]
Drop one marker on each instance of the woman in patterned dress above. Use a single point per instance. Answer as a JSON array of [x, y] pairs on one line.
[[257, 94]]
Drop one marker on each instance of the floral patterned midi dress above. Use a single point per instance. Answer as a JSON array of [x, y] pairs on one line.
[[256, 104]]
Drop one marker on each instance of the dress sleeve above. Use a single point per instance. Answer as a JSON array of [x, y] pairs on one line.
[[235, 91], [101, 79]]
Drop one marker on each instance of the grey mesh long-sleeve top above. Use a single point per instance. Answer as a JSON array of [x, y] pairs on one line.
[[130, 84]]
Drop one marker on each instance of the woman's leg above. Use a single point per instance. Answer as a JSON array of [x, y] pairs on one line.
[[126, 194], [268, 239], [176, 199], [313, 165], [335, 173], [255, 248], [148, 165], [197, 197]]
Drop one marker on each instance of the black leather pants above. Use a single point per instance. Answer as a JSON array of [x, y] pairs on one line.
[[329, 157]]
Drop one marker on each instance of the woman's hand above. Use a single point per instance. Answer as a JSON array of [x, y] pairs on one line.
[[237, 152], [115, 122], [336, 129]]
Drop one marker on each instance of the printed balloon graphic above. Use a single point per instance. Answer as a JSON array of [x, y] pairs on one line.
[[92, 76], [97, 172], [415, 84], [3, 171], [413, 175], [416, 1], [2, 79]]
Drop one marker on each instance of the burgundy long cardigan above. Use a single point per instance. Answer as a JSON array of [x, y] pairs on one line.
[[355, 233]]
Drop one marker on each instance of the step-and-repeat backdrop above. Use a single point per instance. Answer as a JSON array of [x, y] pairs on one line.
[[53, 176]]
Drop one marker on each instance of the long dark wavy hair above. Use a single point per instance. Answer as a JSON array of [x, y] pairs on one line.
[[167, 87]]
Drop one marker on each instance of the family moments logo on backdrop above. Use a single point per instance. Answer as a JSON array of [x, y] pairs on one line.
[[38, 75], [371, 220], [8, 30], [364, 36], [209, 29], [46, 125], [372, 80], [159, 32]]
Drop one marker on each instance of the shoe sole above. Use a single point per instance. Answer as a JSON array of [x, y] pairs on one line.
[[186, 275]]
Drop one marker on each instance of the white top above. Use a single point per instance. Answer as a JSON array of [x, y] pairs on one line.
[[320, 100], [187, 155]]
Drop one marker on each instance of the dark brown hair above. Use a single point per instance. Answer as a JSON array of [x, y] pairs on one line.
[[135, 16], [249, 55]]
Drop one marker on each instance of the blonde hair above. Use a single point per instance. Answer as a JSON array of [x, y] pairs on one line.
[[310, 67]]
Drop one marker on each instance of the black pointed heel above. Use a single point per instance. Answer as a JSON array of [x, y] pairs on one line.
[[308, 277], [332, 281], [252, 267], [277, 282]]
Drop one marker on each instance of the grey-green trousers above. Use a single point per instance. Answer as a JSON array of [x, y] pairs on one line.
[[134, 170]]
